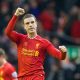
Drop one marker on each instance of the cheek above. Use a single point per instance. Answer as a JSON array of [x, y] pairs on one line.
[[35, 25], [25, 27], [0, 60]]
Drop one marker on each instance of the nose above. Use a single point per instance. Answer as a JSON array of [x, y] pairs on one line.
[[30, 24]]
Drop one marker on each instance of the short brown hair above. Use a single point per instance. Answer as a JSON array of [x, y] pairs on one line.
[[28, 16], [2, 52]]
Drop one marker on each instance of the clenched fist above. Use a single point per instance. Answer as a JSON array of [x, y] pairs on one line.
[[63, 49], [19, 11]]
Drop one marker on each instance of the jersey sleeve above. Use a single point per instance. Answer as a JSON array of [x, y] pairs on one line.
[[13, 35], [54, 52], [12, 72]]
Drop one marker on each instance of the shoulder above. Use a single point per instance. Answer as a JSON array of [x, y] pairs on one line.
[[22, 35], [44, 41], [9, 67], [10, 70], [19, 34]]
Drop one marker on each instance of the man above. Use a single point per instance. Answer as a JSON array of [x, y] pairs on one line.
[[7, 71], [31, 47]]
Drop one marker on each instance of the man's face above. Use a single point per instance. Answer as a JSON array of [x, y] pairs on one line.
[[30, 24]]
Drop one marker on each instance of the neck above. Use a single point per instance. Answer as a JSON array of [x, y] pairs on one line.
[[3, 62], [32, 35]]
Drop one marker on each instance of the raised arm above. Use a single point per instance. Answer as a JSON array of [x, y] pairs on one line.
[[10, 26], [9, 29]]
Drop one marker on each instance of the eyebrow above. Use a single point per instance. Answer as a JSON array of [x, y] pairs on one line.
[[29, 22], [32, 21]]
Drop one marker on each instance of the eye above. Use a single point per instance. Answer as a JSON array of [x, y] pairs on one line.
[[27, 23], [32, 22]]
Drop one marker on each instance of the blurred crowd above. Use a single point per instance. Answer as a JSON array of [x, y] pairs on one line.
[[58, 21]]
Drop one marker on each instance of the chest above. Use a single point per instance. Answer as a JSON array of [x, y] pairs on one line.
[[32, 44], [32, 47]]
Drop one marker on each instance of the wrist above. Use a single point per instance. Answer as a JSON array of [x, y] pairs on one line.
[[16, 14]]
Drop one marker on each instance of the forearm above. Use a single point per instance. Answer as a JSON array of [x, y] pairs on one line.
[[54, 52], [11, 25]]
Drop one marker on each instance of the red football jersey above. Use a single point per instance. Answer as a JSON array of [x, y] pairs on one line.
[[7, 72], [31, 52]]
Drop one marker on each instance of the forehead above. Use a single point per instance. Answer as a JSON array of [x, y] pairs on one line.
[[29, 19]]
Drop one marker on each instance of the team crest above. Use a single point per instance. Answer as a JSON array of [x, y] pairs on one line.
[[37, 45]]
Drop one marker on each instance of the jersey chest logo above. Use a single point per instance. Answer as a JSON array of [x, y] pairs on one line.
[[31, 52]]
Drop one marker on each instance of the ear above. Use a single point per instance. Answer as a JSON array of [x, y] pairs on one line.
[[24, 27], [36, 23]]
